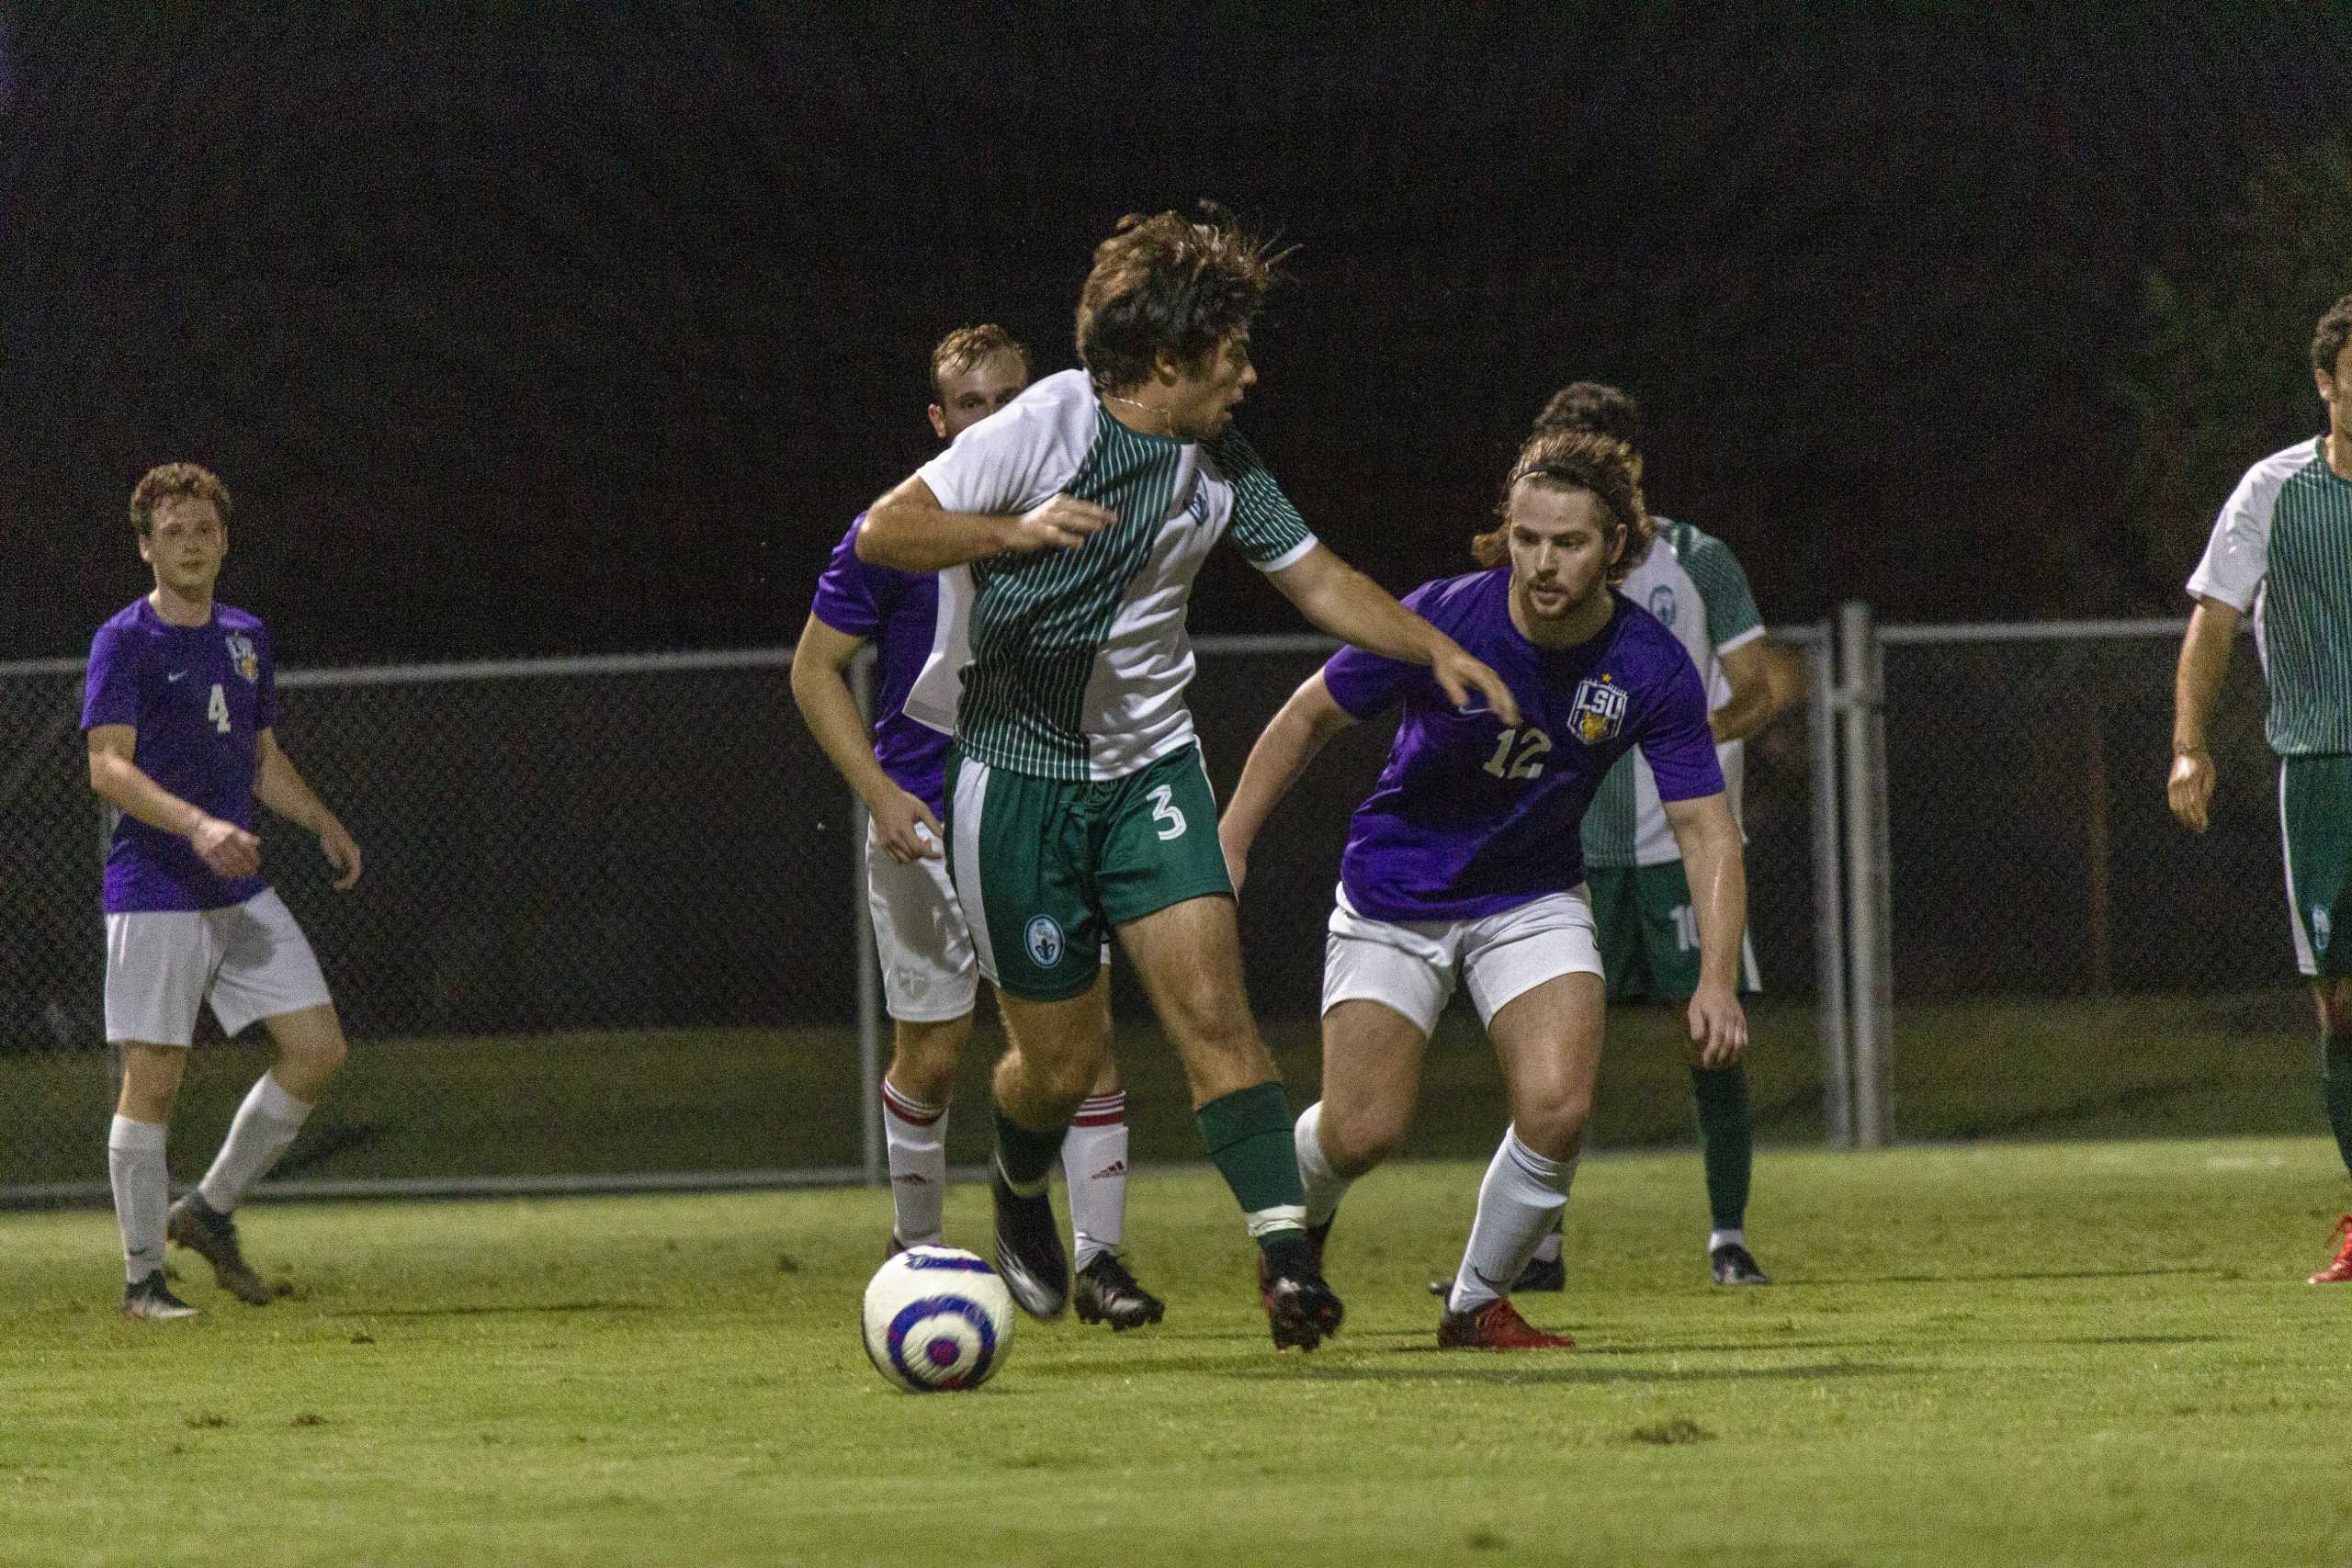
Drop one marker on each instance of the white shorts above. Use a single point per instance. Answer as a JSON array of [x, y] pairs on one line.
[[1410, 965], [928, 975], [250, 961]]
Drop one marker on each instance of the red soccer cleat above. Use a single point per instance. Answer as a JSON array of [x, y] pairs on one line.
[[2340, 1271], [1495, 1326]]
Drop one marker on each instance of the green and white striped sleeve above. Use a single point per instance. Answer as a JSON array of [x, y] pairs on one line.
[[1733, 619], [1266, 526]]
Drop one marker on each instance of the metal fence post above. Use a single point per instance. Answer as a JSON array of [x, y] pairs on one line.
[[869, 973], [1861, 667], [1829, 892]]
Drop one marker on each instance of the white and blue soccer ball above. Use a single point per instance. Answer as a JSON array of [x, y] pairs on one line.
[[937, 1320]]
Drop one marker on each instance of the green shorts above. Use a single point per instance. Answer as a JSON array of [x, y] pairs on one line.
[[2315, 826], [1046, 869], [1649, 936]]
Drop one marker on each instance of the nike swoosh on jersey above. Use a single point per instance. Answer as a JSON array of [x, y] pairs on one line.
[[176, 675]]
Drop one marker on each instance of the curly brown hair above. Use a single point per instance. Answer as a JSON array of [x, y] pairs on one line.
[[1167, 284], [2334, 332], [174, 481], [1564, 458], [967, 346], [1594, 405]]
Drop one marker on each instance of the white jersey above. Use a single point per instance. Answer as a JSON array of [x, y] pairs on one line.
[[2281, 550], [1072, 664], [1693, 584]]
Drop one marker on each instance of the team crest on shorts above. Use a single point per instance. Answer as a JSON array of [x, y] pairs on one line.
[[1044, 940], [1600, 710], [2320, 924], [1662, 602], [243, 655]]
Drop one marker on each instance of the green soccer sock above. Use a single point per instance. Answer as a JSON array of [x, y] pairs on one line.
[[2335, 1089], [1726, 1141], [1026, 1154], [1249, 1136]]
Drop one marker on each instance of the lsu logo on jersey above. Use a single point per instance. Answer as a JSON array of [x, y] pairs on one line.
[[1599, 710], [242, 654], [1662, 602]]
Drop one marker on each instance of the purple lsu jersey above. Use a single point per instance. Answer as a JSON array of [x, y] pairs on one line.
[[897, 612], [200, 697], [1470, 818]]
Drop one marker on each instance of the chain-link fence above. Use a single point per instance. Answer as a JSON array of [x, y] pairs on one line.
[[609, 926], [605, 926], [2034, 852], [2062, 957]]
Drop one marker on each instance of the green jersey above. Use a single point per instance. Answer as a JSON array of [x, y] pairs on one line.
[[2283, 549], [1692, 584], [1072, 664]]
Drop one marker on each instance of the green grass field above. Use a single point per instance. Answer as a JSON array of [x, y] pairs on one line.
[[752, 1099], [2045, 1352]]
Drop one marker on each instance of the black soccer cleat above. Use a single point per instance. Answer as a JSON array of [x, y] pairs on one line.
[[1029, 1249], [1539, 1275], [213, 1236], [1733, 1264], [1105, 1292], [1301, 1310], [152, 1300]]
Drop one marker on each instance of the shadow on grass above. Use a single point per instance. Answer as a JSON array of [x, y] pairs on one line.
[[2082, 1110], [515, 1311], [2135, 1339], [1568, 1367], [2004, 1274], [1489, 1366]]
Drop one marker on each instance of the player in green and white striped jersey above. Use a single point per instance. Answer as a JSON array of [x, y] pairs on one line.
[[2281, 550], [1640, 898], [1068, 529]]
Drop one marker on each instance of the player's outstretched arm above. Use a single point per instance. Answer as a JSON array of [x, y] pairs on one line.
[[1343, 601], [900, 821], [228, 848], [280, 786], [1766, 679], [1291, 740], [2204, 660], [1708, 840], [910, 530]]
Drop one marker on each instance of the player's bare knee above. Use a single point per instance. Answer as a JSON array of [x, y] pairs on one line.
[[1554, 1126], [1042, 1079], [924, 1057], [1355, 1142], [318, 1058], [151, 1081]]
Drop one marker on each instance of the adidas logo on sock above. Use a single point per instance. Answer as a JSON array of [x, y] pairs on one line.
[[1116, 1167]]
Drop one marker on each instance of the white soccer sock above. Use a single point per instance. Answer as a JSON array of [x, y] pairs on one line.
[[1520, 1199], [142, 1192], [265, 1124], [1325, 1187], [1548, 1249], [916, 1136], [1726, 1238], [1094, 1164]]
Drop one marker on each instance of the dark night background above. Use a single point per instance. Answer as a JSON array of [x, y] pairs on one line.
[[536, 329]]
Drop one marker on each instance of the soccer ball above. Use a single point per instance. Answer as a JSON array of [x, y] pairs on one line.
[[937, 1320]]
